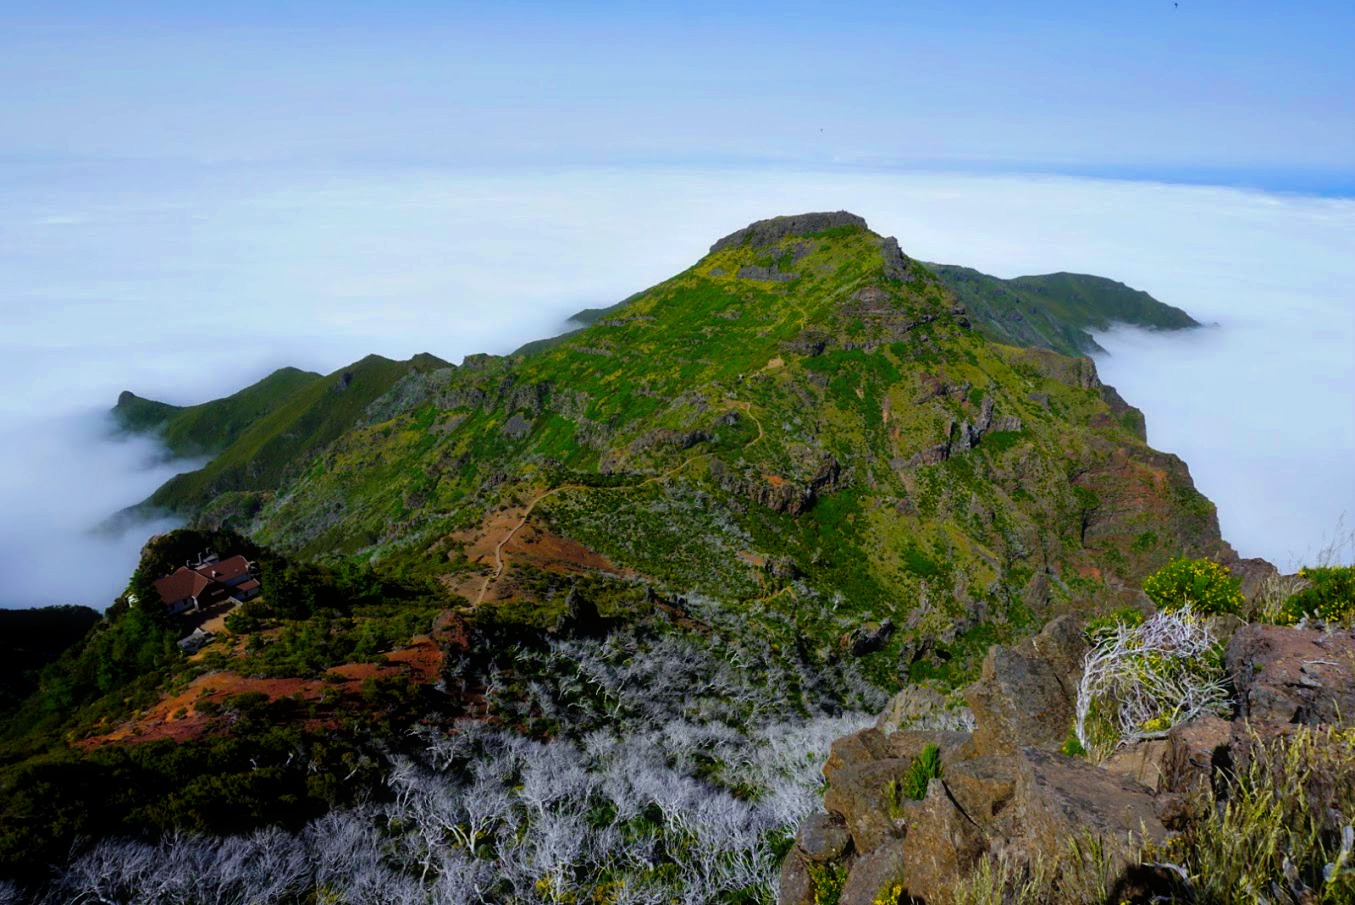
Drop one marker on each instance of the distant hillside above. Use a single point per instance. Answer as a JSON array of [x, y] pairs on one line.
[[266, 431], [197, 430], [1055, 311]]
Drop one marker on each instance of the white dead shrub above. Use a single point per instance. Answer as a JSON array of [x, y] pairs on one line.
[[1140, 680]]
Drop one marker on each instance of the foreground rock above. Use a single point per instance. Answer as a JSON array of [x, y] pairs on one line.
[[1005, 791], [1290, 675]]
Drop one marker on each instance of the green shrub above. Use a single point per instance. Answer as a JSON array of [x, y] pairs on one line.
[[1206, 587], [926, 767], [1329, 596]]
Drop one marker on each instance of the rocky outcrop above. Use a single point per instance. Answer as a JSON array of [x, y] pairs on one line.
[[764, 233], [963, 435], [1006, 790], [1026, 694], [896, 262], [1289, 675], [867, 638], [793, 497]]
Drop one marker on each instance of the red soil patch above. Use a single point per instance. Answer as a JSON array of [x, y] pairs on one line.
[[176, 717], [529, 546]]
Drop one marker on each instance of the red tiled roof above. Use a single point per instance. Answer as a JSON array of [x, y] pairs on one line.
[[183, 582], [247, 585], [226, 569]]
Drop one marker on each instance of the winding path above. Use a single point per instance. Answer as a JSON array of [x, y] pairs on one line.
[[499, 563]]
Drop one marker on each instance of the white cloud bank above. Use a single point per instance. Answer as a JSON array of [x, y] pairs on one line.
[[186, 285]]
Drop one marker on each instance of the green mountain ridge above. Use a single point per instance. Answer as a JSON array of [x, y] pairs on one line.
[[806, 395], [1056, 311], [260, 433], [208, 428], [704, 535]]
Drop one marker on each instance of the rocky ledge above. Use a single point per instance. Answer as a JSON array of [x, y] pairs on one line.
[[1004, 790]]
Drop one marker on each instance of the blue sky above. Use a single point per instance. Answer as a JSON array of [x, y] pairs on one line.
[[1233, 92]]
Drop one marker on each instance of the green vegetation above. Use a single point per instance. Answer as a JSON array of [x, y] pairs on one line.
[[1206, 587], [830, 475], [261, 761], [1329, 595], [262, 433], [925, 767], [1282, 823], [1100, 627]]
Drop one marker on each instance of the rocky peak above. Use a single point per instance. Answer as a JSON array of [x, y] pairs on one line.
[[771, 231]]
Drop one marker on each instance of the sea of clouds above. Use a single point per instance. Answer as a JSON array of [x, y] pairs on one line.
[[186, 283]]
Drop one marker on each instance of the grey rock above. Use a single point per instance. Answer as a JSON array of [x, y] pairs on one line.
[[753, 272], [862, 796], [517, 426], [1025, 695], [896, 262], [1293, 675], [1059, 798], [797, 887], [822, 838]]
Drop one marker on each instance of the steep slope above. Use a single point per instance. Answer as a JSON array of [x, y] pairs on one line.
[[1055, 311], [804, 425], [266, 433], [210, 427]]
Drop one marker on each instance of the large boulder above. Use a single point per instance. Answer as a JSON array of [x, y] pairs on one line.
[[876, 877], [1290, 675], [983, 788], [916, 706], [822, 838], [1198, 751], [797, 887], [941, 846], [1025, 695], [1146, 762], [953, 747], [1058, 800], [867, 798], [854, 750]]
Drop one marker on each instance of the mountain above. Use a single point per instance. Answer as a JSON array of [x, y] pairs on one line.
[[806, 418], [1055, 311], [550, 626]]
